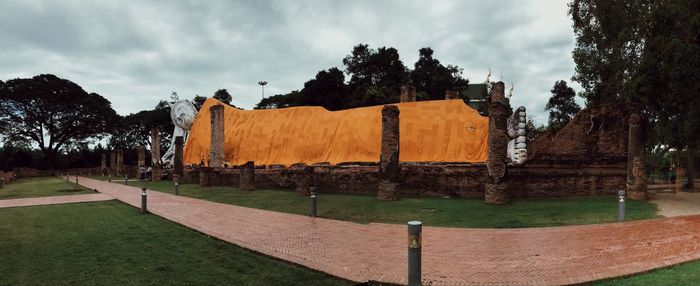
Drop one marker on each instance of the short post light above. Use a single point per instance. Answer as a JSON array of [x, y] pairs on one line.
[[414, 252], [621, 205], [109, 179], [313, 202], [144, 198], [126, 179], [177, 188], [67, 178], [76, 180]]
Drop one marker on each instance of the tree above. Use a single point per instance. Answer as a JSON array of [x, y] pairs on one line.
[[135, 129], [223, 96], [561, 106], [376, 76], [609, 42], [431, 78], [532, 130], [198, 101], [52, 112]]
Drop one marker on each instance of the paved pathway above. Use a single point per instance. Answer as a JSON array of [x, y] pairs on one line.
[[451, 256], [54, 200], [677, 204]]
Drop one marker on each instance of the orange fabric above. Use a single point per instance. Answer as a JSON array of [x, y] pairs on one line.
[[430, 131]]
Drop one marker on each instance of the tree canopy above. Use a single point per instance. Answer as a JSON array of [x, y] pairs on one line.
[[561, 106], [375, 77], [52, 112]]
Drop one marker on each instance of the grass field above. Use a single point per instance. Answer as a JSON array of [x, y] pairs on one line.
[[109, 243], [40, 187], [431, 211], [683, 274]]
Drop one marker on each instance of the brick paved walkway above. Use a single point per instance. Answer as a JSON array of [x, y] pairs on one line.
[[54, 200], [451, 256]]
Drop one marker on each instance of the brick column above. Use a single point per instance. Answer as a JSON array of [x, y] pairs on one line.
[[155, 153], [496, 190], [112, 162], [389, 168], [141, 161], [408, 93], [636, 178], [120, 162], [179, 167], [247, 178], [216, 147], [103, 164], [205, 176], [451, 94]]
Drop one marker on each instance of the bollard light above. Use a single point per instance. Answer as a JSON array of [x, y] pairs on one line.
[[110, 178], [76, 180], [313, 202], [144, 207], [177, 188], [67, 178], [126, 180], [414, 252], [621, 206]]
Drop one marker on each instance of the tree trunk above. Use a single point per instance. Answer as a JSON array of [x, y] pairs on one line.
[[689, 169]]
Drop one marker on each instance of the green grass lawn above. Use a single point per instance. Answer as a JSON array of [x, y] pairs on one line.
[[40, 187], [682, 274], [109, 243], [432, 211]]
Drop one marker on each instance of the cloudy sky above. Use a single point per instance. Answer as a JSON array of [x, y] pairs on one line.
[[136, 53]]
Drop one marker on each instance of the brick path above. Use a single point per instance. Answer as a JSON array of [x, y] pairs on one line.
[[451, 256], [54, 200]]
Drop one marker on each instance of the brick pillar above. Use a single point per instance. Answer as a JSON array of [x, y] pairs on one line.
[[120, 162], [496, 190], [247, 178], [636, 178], [216, 147], [305, 180], [451, 94], [141, 161], [113, 162], [103, 164], [205, 176], [179, 167], [155, 153], [408, 93], [389, 168]]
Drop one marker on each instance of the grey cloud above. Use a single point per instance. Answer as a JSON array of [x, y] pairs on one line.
[[136, 52]]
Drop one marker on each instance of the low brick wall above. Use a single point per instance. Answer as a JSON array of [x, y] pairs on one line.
[[534, 179]]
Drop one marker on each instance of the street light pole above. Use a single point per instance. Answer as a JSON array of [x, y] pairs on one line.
[[262, 84]]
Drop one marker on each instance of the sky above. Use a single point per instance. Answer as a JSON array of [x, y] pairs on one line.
[[136, 53]]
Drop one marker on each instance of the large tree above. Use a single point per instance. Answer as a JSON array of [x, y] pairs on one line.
[[51, 112], [431, 78], [223, 96], [376, 76], [609, 42], [135, 129], [561, 106]]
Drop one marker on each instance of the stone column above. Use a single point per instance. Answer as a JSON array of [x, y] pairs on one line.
[[636, 177], [496, 190], [141, 161], [389, 168], [451, 94], [179, 167], [216, 147], [247, 178], [103, 164], [155, 153], [408, 93]]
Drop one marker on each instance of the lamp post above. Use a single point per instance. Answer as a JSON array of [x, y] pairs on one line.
[[262, 84]]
